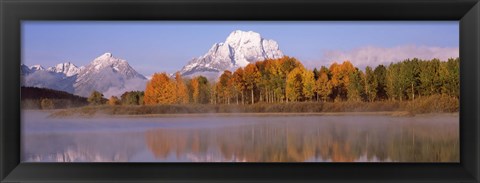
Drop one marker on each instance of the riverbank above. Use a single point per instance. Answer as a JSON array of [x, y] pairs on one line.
[[393, 108]]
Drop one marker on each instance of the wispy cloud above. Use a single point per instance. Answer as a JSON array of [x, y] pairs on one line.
[[134, 84], [373, 56]]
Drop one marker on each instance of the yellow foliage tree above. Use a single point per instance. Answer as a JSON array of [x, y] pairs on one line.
[[308, 84], [239, 83], [182, 91], [251, 77], [323, 86], [113, 101], [225, 86], [294, 84], [195, 90], [341, 79]]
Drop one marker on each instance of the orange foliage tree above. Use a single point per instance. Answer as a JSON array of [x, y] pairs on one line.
[[160, 90], [182, 91]]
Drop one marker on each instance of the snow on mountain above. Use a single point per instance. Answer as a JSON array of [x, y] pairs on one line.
[[24, 70], [48, 79], [239, 49], [38, 76], [106, 74], [66, 68], [109, 75], [36, 68]]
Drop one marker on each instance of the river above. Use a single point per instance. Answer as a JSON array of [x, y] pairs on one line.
[[241, 138]]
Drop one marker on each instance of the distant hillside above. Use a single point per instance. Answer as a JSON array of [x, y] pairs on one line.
[[32, 97]]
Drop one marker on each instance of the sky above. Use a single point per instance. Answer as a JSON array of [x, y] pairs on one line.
[[166, 46]]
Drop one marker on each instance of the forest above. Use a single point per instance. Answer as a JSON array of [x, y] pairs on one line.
[[412, 86], [286, 80], [44, 98]]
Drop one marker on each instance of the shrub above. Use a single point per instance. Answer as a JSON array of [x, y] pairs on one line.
[[47, 104]]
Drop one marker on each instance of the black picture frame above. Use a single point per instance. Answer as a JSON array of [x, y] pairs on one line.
[[12, 12]]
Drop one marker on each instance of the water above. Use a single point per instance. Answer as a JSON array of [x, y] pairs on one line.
[[241, 138]]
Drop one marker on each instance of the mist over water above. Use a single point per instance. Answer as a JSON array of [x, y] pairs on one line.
[[241, 138]]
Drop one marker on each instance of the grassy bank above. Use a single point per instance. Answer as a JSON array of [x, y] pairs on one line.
[[432, 104]]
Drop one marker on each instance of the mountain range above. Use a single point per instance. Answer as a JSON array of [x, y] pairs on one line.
[[113, 76], [106, 74]]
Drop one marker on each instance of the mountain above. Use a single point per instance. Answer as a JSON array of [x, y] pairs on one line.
[[25, 70], [106, 74], [37, 76], [36, 68], [239, 49], [66, 68], [51, 80], [109, 75]]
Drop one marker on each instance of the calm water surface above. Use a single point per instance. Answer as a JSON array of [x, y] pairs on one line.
[[241, 138]]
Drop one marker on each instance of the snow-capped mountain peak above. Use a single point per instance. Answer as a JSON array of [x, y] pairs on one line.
[[37, 68], [239, 49], [108, 60], [66, 68], [238, 37], [106, 72]]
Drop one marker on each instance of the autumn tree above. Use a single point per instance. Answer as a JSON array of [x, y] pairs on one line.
[[308, 84], [47, 104], [370, 84], [323, 85], [181, 89], [294, 84], [276, 80], [430, 78], [200, 90], [316, 73], [239, 83], [264, 84], [393, 86], [451, 80], [204, 90], [96, 98], [225, 86], [113, 100], [160, 90], [195, 90], [340, 79], [355, 86], [251, 77], [380, 75], [132, 98]]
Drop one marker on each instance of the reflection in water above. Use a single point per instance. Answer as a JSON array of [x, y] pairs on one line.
[[420, 141], [244, 139], [81, 147]]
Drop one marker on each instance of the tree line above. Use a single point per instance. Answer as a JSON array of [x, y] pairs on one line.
[[287, 80]]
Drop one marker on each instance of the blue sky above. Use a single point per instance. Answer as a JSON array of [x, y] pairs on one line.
[[166, 46]]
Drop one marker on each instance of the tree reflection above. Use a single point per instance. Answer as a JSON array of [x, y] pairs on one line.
[[311, 141]]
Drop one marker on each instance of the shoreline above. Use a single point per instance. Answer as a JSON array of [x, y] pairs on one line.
[[244, 114], [379, 113], [391, 108]]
